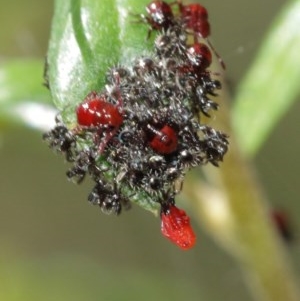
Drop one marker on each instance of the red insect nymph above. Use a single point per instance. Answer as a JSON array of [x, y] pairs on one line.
[[160, 15], [199, 56], [175, 225], [195, 17], [165, 140], [95, 111]]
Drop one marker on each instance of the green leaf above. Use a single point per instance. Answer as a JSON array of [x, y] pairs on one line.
[[272, 84], [23, 98], [87, 38]]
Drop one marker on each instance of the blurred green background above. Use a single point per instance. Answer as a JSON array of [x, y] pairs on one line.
[[55, 246]]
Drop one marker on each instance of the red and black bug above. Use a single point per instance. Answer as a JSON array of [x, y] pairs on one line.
[[165, 140], [199, 57], [195, 18], [96, 111], [99, 115], [160, 16]]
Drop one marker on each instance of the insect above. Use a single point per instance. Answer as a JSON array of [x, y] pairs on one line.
[[199, 56], [165, 140], [175, 225], [109, 199], [160, 16], [62, 140], [96, 113], [195, 17], [282, 223]]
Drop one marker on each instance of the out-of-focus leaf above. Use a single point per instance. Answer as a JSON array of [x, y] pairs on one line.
[[23, 98], [272, 84]]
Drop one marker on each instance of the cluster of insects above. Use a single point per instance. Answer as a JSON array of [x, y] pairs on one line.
[[139, 136]]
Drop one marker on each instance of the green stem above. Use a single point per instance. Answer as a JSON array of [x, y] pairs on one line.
[[79, 32]]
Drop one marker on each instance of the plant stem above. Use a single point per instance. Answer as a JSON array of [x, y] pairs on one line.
[[79, 33], [235, 212]]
